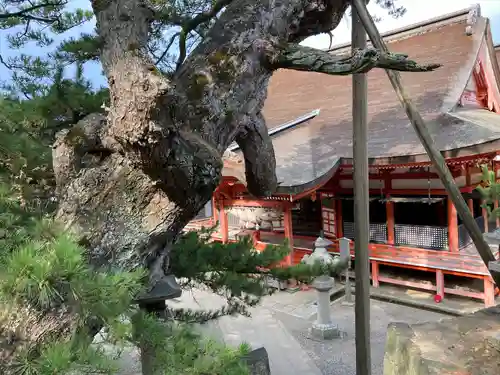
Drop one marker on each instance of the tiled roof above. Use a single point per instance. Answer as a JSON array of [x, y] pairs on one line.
[[308, 153]]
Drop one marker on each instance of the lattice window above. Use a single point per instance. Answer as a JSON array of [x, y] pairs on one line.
[[421, 236], [378, 231], [233, 220], [348, 230], [329, 224]]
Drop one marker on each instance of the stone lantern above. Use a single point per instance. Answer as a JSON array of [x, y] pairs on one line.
[[323, 328], [493, 240]]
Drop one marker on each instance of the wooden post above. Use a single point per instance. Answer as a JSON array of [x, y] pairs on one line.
[[389, 208], [214, 209], [452, 227], [484, 212], [470, 201], [224, 225], [440, 283], [375, 271], [361, 206], [288, 232], [489, 292], [428, 143], [339, 219]]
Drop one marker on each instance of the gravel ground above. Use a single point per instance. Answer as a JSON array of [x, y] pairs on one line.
[[337, 357]]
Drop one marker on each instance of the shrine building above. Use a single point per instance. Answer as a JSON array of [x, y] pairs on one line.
[[413, 224]]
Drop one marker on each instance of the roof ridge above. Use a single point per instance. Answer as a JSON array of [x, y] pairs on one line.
[[423, 26]]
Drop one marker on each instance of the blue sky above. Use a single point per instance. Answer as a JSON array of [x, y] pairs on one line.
[[417, 11]]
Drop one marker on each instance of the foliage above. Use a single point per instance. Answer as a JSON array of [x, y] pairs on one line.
[[49, 272], [54, 275], [235, 271], [490, 192]]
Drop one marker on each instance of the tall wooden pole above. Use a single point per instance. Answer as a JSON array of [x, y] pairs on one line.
[[428, 143], [361, 205]]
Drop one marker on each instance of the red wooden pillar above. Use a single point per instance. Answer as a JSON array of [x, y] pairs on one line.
[[389, 208], [485, 217], [440, 283], [470, 203], [288, 232], [339, 221], [452, 227], [375, 270], [489, 292], [224, 226], [214, 209]]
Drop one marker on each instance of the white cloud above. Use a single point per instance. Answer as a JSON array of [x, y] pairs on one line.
[[417, 11]]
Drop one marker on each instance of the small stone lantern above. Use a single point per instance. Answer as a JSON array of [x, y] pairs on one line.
[[323, 328], [493, 240], [154, 302]]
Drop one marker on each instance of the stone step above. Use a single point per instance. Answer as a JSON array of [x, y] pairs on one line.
[[286, 356]]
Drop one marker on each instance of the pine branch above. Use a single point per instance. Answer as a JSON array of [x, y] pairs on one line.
[[169, 44], [193, 23], [25, 13], [298, 57]]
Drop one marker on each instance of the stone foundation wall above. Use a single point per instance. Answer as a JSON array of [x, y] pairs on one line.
[[249, 217], [466, 345]]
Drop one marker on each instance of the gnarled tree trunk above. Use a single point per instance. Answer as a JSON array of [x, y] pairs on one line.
[[157, 158]]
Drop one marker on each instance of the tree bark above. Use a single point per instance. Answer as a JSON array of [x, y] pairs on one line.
[[130, 182]]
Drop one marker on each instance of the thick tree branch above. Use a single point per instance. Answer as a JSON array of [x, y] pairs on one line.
[[299, 57], [260, 163]]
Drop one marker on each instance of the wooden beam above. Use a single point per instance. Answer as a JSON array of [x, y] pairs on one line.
[[400, 176], [257, 203], [428, 143], [361, 206], [452, 226], [404, 191]]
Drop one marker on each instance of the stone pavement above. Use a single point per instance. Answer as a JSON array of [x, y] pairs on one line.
[[286, 356], [281, 324]]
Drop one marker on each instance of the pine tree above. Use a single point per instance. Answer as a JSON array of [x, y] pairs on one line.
[[489, 189], [44, 272]]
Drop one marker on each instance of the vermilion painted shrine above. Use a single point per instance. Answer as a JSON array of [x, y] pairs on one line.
[[412, 222]]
